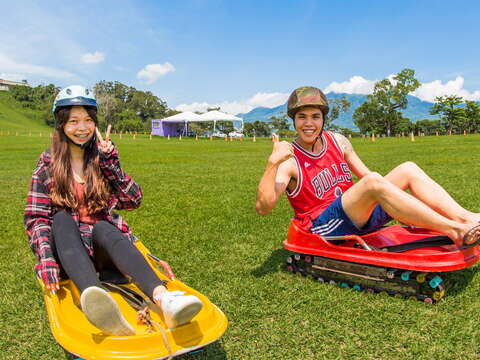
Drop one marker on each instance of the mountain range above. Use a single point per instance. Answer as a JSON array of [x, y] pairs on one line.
[[416, 110]]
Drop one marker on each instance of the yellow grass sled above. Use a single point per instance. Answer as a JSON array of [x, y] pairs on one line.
[[82, 340]]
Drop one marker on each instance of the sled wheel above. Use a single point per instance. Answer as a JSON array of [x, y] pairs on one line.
[[344, 285], [289, 260], [421, 277], [398, 296], [70, 356], [290, 268], [428, 300], [383, 292], [308, 259], [371, 291], [391, 274], [320, 279], [412, 298], [357, 287], [297, 257], [332, 282], [406, 275], [435, 282], [438, 295]]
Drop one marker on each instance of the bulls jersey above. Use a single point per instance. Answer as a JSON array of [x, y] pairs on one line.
[[321, 179]]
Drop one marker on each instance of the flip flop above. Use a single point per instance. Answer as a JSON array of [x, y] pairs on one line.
[[472, 237]]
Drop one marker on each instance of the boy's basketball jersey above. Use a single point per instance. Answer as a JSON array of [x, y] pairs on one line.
[[321, 179]]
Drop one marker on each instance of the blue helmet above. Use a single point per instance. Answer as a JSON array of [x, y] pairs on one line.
[[70, 96], [74, 95]]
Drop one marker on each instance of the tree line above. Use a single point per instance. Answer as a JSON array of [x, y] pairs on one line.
[[125, 107], [380, 114], [129, 109]]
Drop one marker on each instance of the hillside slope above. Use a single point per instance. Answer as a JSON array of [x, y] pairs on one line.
[[13, 117]]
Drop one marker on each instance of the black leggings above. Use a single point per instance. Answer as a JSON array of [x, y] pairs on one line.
[[112, 251]]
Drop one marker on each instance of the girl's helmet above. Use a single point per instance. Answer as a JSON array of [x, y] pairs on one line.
[[70, 96], [307, 96], [74, 95]]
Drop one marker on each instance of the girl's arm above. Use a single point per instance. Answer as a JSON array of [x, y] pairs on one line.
[[125, 188], [38, 221], [128, 192]]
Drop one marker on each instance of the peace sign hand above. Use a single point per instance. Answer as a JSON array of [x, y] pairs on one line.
[[282, 150], [105, 146]]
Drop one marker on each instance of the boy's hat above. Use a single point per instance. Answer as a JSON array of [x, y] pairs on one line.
[[307, 96]]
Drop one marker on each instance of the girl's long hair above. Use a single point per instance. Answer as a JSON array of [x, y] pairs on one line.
[[62, 193]]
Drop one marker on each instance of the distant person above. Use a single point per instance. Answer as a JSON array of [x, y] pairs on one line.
[[71, 225], [315, 172]]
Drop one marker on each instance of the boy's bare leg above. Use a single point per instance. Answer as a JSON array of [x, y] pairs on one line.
[[410, 176], [360, 200]]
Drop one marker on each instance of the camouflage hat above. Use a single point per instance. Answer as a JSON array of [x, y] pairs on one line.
[[306, 96]]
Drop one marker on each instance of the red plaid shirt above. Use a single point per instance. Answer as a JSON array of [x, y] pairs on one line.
[[39, 211]]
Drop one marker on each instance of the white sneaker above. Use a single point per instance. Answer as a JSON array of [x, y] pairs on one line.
[[103, 312], [177, 308]]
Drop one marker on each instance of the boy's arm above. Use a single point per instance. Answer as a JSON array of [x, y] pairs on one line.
[[355, 164], [276, 177]]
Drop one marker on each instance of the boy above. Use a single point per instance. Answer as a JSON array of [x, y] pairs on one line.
[[315, 172]]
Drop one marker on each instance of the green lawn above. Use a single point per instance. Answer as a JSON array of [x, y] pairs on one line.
[[198, 213]]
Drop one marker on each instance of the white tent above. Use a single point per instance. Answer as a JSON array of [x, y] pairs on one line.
[[189, 117], [216, 115], [182, 117]]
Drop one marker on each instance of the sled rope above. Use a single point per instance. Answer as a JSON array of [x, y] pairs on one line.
[[143, 316], [139, 303]]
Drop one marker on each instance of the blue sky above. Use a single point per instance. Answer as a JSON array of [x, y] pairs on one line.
[[242, 54]]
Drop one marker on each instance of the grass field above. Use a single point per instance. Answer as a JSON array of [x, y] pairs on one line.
[[198, 214]]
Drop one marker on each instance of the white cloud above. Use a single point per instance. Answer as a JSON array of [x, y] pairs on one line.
[[152, 72], [93, 58], [12, 77], [429, 91], [11, 66], [355, 85], [269, 100]]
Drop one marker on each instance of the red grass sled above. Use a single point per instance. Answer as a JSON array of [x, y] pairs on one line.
[[398, 260]]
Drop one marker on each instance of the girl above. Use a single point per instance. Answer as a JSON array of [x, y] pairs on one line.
[[71, 225]]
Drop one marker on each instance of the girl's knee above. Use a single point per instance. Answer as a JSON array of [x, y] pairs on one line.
[[62, 216]]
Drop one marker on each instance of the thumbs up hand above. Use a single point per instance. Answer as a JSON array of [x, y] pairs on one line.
[[282, 150]]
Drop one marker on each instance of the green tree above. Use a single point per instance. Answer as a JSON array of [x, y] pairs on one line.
[[429, 127], [201, 128], [381, 114], [452, 115], [472, 115], [116, 100], [127, 120], [279, 123], [224, 127], [257, 128], [366, 117], [337, 107]]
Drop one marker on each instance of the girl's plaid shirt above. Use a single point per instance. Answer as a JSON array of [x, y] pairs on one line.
[[39, 211]]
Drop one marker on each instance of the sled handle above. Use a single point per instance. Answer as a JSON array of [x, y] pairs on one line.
[[165, 266], [357, 238]]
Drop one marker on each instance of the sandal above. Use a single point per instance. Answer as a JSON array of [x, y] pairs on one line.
[[472, 237]]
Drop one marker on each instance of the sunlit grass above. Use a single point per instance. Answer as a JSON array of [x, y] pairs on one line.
[[198, 214]]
